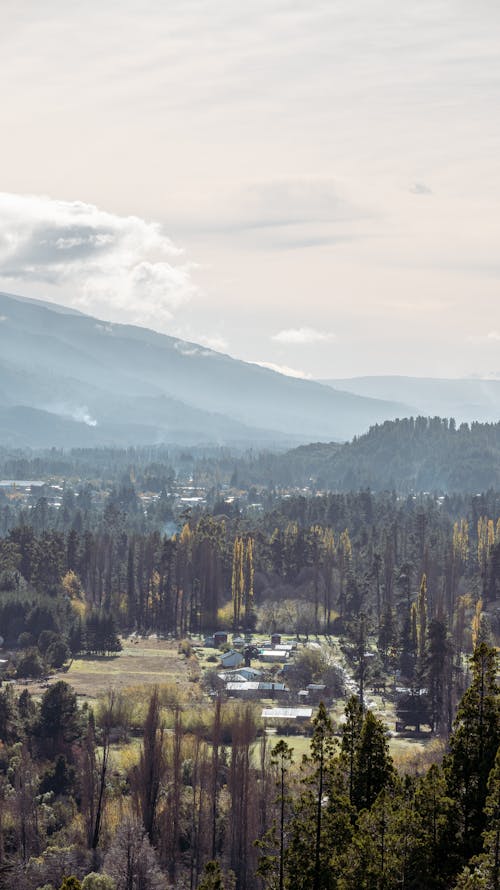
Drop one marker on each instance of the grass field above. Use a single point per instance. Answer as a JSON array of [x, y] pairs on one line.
[[142, 663]]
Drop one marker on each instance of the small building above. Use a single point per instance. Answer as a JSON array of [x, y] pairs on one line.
[[209, 642], [273, 656], [256, 689], [239, 674], [220, 637], [238, 642], [275, 640], [232, 659], [317, 691], [297, 715]]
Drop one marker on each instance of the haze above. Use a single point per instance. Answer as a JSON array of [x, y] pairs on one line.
[[310, 185]]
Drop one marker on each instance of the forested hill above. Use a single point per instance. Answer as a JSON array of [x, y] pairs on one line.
[[415, 454]]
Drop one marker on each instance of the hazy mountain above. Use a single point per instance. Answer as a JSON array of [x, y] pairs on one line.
[[464, 399], [121, 383]]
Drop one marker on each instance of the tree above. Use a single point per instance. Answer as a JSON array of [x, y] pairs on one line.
[[272, 863], [322, 819], [131, 860], [351, 733], [148, 774], [373, 767], [59, 720], [212, 878], [473, 747]]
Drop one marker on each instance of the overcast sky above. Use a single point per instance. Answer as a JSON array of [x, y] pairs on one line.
[[315, 185]]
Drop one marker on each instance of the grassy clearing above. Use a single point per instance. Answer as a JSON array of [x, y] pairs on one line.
[[147, 663]]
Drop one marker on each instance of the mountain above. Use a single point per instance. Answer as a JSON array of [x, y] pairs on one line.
[[466, 399], [130, 385]]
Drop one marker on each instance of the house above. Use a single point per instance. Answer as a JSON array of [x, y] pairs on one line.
[[220, 637], [239, 674], [232, 659]]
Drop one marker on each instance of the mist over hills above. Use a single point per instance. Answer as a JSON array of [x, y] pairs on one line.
[[68, 379], [467, 399]]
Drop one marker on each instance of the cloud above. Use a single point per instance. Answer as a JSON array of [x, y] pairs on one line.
[[299, 336], [284, 369], [420, 188], [121, 266], [215, 342]]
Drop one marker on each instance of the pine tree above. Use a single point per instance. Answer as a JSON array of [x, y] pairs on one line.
[[473, 747], [351, 732], [373, 764], [321, 825]]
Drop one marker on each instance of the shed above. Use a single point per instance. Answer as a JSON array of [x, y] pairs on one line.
[[220, 637], [232, 659], [275, 656], [275, 640], [316, 691]]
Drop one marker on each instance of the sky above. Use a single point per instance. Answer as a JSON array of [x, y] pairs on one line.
[[310, 185]]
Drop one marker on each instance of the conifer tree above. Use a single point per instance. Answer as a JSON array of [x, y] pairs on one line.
[[473, 747], [373, 764]]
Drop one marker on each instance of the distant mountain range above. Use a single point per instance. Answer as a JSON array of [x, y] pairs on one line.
[[466, 400], [69, 380]]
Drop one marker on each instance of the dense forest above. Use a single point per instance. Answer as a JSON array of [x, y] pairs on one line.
[[408, 455]]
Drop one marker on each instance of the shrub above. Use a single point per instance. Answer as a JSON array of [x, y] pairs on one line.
[[25, 640], [57, 653], [30, 665]]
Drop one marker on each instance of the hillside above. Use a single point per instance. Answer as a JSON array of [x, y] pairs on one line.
[[410, 455], [128, 385]]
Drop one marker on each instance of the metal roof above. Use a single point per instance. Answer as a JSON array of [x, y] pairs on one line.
[[287, 713]]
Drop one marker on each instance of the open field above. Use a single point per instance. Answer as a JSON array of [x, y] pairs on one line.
[[144, 662]]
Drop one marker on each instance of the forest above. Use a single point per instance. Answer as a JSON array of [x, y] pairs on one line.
[[190, 791]]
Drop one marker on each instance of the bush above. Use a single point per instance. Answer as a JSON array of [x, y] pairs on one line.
[[57, 653], [94, 881], [30, 665], [185, 648], [46, 638], [25, 640]]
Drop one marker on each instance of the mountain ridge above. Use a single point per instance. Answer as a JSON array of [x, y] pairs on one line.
[[52, 359]]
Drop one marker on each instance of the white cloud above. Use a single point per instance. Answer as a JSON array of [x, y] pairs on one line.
[[215, 342], [303, 335], [122, 267], [284, 369]]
